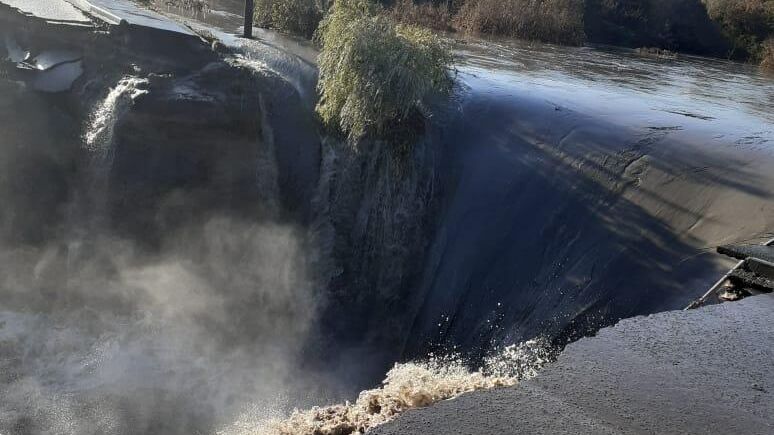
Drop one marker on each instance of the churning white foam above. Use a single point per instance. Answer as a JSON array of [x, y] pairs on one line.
[[99, 133], [406, 386]]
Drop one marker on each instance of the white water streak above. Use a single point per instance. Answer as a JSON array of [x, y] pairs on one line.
[[99, 133]]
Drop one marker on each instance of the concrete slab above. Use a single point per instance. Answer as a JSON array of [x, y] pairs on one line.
[[124, 12], [115, 12], [51, 58], [706, 371], [14, 52], [57, 79], [56, 11]]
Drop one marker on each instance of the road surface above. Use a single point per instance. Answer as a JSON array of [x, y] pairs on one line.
[[113, 12], [706, 371]]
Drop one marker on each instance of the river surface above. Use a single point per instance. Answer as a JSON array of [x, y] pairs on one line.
[[612, 82]]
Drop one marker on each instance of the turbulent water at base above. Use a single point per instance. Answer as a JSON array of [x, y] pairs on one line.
[[108, 341], [100, 335], [406, 386]]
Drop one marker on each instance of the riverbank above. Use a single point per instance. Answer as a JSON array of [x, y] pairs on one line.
[[727, 29]]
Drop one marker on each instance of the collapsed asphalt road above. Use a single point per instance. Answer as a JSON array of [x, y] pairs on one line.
[[706, 371]]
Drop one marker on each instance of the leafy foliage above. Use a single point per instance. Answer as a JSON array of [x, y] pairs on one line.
[[300, 17], [425, 14], [747, 23], [374, 74], [767, 57]]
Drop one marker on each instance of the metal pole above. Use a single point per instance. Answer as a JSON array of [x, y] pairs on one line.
[[699, 302], [249, 8]]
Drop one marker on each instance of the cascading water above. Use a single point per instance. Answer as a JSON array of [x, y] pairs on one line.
[[99, 334], [98, 138], [88, 209]]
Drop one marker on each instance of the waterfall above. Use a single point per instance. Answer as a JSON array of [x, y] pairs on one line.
[[88, 209], [99, 133], [266, 174]]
